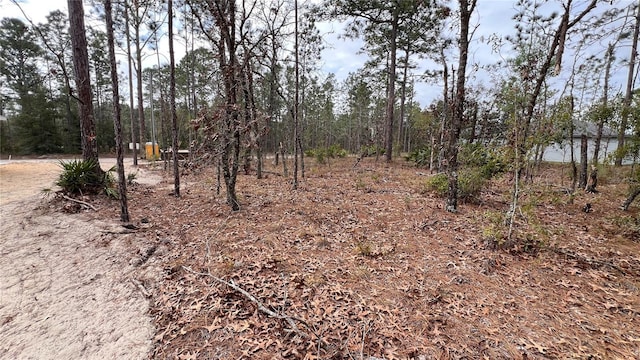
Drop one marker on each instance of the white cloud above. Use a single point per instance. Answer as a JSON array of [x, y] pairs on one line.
[[343, 56], [37, 11]]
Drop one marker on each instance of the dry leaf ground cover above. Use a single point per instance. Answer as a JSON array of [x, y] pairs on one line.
[[361, 263]]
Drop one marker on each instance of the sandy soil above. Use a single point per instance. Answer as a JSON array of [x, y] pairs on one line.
[[68, 287]]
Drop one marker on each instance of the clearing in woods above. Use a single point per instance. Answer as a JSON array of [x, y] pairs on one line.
[[362, 263]]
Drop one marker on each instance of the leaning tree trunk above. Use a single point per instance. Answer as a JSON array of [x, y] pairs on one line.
[[117, 124], [554, 57], [83, 82], [632, 196]]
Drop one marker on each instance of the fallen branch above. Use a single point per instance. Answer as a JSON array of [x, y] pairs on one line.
[[80, 202], [271, 173], [291, 320], [591, 262]]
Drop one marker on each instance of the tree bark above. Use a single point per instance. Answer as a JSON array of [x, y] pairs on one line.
[[133, 128], [296, 125], [593, 180], [629, 200], [583, 162], [391, 85], [117, 125], [172, 99], [142, 125], [466, 8], [403, 98], [626, 107], [574, 168], [225, 14], [605, 104], [83, 81]]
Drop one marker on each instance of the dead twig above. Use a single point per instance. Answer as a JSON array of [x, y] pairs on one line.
[[141, 287], [594, 263], [291, 320], [79, 202], [271, 173]]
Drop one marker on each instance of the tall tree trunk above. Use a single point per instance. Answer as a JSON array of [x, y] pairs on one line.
[[296, 97], [474, 123], [466, 8], [83, 81], [296, 134], [141, 122], [273, 83], [444, 118], [605, 105], [626, 106], [133, 127], [172, 99], [403, 98], [391, 85], [583, 162], [117, 125], [226, 22]]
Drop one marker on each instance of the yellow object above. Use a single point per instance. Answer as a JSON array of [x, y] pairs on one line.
[[149, 149]]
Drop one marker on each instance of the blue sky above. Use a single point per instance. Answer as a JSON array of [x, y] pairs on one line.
[[341, 56]]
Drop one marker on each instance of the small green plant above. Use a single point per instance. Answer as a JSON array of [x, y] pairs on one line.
[[363, 248], [323, 154], [438, 184], [372, 150], [131, 177], [421, 157], [336, 151], [493, 233], [360, 184], [84, 177], [470, 183], [627, 226], [407, 201]]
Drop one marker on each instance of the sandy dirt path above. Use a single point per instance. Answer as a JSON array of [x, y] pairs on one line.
[[65, 292]]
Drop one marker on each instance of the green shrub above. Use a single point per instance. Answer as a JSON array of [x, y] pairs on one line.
[[335, 151], [470, 183], [489, 160], [372, 150], [421, 157], [322, 154], [131, 178], [84, 177]]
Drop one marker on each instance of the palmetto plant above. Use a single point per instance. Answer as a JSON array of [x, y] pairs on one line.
[[81, 177]]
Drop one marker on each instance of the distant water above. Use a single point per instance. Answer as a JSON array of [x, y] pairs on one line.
[[557, 153]]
